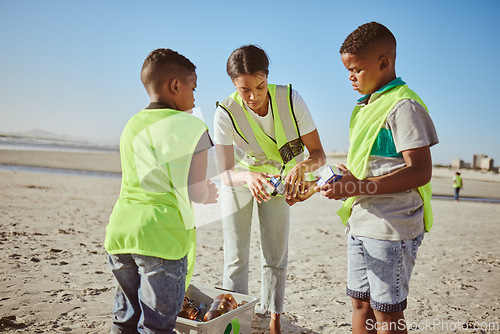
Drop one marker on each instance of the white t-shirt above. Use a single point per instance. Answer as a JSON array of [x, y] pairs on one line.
[[224, 131]]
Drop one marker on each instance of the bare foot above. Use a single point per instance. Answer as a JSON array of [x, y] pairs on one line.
[[274, 325]]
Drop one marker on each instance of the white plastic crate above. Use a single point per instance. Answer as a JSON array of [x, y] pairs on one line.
[[219, 325]]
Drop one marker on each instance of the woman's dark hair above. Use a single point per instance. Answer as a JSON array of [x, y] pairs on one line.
[[247, 59]]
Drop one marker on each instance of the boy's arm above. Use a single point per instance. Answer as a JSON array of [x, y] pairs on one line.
[[200, 189], [416, 173]]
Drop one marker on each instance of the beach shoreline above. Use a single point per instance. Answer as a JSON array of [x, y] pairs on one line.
[[477, 184], [55, 277]]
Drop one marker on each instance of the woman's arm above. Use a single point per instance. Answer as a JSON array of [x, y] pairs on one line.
[[317, 158], [232, 178]]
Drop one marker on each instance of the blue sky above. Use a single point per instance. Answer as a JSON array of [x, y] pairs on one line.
[[72, 67]]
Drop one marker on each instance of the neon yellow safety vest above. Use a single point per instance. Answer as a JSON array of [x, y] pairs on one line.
[[366, 122], [261, 152], [153, 215], [457, 183]]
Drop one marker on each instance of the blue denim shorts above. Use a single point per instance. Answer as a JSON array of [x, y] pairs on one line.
[[380, 270]]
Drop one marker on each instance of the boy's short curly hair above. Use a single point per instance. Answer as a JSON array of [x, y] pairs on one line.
[[162, 65], [368, 35]]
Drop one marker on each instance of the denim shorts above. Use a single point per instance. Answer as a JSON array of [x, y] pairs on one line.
[[149, 294], [380, 270]]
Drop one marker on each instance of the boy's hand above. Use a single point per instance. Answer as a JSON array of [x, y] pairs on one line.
[[343, 188], [212, 193]]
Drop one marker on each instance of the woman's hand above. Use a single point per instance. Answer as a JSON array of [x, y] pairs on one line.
[[294, 181], [256, 181], [309, 190]]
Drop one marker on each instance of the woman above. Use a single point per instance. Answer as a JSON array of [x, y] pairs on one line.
[[260, 132]]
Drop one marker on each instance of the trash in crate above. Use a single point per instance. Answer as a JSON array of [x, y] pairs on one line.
[[191, 311], [242, 315], [220, 305]]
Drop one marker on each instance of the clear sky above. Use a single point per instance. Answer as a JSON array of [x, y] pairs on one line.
[[72, 67]]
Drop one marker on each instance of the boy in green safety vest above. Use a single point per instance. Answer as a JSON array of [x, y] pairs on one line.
[[151, 234], [385, 180]]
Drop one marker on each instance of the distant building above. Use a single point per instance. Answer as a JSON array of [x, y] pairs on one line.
[[476, 160], [481, 161], [486, 164], [457, 163]]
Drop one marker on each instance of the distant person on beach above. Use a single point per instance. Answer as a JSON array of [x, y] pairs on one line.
[[151, 233], [457, 185], [260, 132], [386, 181]]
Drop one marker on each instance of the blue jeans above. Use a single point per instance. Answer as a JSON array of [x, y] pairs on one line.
[[380, 270], [457, 193], [149, 294]]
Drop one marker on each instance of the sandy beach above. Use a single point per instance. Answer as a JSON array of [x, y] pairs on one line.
[[54, 276]]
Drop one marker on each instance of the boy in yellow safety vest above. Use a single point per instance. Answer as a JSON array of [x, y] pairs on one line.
[[151, 234], [385, 180]]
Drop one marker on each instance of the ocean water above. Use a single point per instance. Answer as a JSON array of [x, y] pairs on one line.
[[47, 144], [57, 145], [468, 199]]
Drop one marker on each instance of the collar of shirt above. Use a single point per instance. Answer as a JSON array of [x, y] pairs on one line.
[[158, 105], [372, 97]]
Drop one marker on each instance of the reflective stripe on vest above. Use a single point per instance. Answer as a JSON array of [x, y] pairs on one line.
[[261, 152]]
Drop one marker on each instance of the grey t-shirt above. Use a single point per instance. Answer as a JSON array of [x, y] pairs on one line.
[[397, 216]]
